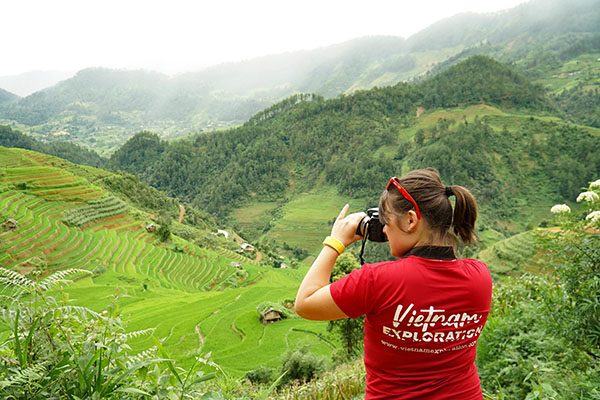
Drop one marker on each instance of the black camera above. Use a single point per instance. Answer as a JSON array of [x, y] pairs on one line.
[[370, 227]]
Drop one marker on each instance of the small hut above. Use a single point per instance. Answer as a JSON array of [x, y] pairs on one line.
[[235, 264], [151, 228], [11, 224], [247, 248], [269, 316]]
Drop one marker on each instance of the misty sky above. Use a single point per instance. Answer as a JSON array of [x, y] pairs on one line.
[[176, 35]]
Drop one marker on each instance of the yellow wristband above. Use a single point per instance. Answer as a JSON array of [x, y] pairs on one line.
[[334, 244]]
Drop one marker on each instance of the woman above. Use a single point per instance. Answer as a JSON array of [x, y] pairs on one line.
[[424, 311]]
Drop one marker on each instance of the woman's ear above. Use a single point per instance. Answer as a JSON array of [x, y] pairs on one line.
[[411, 220]]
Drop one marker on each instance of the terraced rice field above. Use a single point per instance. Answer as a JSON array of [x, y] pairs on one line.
[[513, 255], [42, 198], [308, 218], [194, 298]]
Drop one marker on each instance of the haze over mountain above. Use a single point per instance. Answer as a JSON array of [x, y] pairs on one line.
[[7, 97], [30, 82], [101, 108]]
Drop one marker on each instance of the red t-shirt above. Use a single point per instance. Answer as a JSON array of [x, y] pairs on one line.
[[422, 321]]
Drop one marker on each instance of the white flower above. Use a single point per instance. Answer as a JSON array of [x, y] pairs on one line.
[[594, 217], [588, 197], [560, 209], [595, 184]]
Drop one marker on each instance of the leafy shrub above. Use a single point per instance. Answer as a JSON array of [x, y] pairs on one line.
[[543, 336], [300, 364], [164, 228], [519, 353], [184, 232], [209, 241], [349, 330], [241, 274], [261, 374], [298, 252], [99, 270], [345, 382], [574, 253]]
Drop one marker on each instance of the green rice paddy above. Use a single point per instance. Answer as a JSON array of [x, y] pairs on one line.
[[305, 220], [193, 297]]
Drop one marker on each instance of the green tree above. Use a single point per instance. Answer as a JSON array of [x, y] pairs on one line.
[[300, 364], [349, 330], [164, 228], [542, 339], [574, 251]]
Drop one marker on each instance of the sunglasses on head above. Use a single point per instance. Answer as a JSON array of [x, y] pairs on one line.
[[394, 181]]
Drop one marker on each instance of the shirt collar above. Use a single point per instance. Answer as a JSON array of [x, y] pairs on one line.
[[435, 252]]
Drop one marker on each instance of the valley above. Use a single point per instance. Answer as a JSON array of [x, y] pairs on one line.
[[161, 180], [192, 296]]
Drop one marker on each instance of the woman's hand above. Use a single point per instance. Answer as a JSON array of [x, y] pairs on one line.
[[344, 228], [314, 300]]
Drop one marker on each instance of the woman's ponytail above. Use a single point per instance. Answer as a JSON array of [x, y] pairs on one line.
[[465, 214], [432, 197]]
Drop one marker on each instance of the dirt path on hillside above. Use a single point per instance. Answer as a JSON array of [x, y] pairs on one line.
[[200, 337], [236, 330], [258, 257], [181, 212]]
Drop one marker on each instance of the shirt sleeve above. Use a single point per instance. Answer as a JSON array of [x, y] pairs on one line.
[[351, 293]]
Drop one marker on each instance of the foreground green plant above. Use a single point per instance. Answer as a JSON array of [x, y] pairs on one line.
[[542, 340], [574, 252], [50, 349], [350, 331], [345, 382]]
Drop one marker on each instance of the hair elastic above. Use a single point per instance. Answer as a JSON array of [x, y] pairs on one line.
[[449, 191]]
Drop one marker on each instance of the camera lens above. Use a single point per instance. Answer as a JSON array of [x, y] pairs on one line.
[[363, 227], [371, 228]]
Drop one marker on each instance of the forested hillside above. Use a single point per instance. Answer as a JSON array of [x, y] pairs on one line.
[[102, 108], [352, 143], [356, 142], [7, 97], [514, 29], [59, 148]]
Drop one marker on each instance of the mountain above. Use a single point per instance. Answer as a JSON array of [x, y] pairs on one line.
[[102, 108], [349, 146], [328, 71], [531, 23], [482, 79], [7, 97], [58, 148], [33, 81]]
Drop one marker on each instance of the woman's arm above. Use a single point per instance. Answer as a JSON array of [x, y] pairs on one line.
[[314, 300]]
